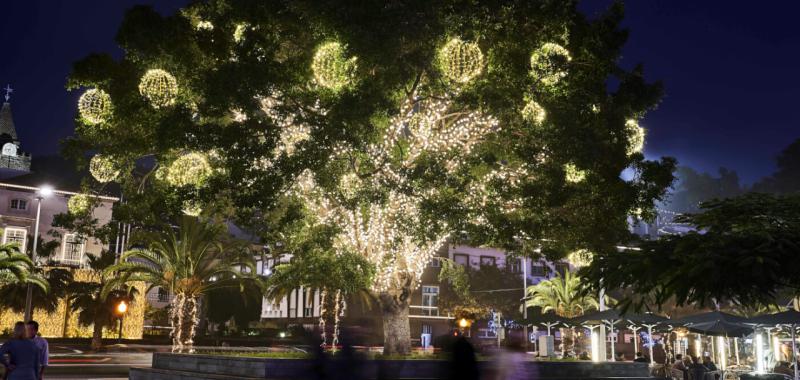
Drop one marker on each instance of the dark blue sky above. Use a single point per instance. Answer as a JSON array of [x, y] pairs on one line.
[[730, 70]]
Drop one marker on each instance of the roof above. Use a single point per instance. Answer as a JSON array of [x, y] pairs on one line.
[[7, 121]]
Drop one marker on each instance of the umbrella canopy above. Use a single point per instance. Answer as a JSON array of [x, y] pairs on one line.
[[598, 317], [789, 317], [645, 319], [720, 328], [548, 318], [711, 316]]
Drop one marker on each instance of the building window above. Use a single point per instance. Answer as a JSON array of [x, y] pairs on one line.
[[427, 329], [487, 261], [514, 265], [19, 204], [486, 334], [430, 300], [562, 268], [461, 259], [435, 263], [72, 250], [538, 269], [16, 235]]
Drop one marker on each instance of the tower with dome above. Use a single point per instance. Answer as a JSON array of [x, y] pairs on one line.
[[13, 161]]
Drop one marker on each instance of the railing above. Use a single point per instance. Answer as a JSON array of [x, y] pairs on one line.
[[426, 311]]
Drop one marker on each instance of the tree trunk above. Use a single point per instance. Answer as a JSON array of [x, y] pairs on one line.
[[188, 323], [175, 308], [97, 336], [396, 330], [67, 315]]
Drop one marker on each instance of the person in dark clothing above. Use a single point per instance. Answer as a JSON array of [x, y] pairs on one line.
[[23, 356], [463, 366], [709, 364], [697, 371], [640, 358]]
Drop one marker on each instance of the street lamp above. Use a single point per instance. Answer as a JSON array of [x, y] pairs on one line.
[[43, 192], [122, 308]]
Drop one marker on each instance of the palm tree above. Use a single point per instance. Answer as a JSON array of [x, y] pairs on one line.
[[17, 268], [199, 257], [96, 307], [563, 296]]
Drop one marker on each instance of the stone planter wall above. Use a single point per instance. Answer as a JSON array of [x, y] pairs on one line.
[[181, 366]]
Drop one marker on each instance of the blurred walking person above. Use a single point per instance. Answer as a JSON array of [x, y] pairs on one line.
[[41, 344], [23, 356]]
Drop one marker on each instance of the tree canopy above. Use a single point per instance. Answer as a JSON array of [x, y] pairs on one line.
[[745, 250]]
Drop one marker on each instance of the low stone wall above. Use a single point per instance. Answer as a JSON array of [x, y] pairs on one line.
[[180, 366]]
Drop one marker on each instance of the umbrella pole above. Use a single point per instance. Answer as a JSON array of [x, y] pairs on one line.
[[794, 352], [635, 340], [736, 349], [650, 335], [613, 352]]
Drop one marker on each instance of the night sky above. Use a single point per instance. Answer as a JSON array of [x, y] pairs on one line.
[[730, 70]]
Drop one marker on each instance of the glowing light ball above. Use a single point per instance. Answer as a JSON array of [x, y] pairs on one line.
[[572, 174], [94, 106], [349, 184], [331, 67], [534, 113], [190, 169], [460, 61], [548, 63], [238, 33], [580, 258], [79, 204], [103, 168], [159, 87], [636, 136], [205, 25]]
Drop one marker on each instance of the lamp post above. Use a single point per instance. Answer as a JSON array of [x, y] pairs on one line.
[[122, 308], [43, 192]]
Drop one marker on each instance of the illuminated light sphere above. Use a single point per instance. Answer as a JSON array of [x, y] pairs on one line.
[[159, 87], [79, 204], [548, 63], [572, 174], [580, 258], [331, 67], [205, 25], [189, 169], [534, 113], [192, 208], [349, 184], [103, 168], [94, 106], [636, 136], [461, 61]]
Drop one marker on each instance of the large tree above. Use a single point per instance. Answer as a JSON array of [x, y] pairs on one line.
[[745, 251], [398, 124], [786, 179]]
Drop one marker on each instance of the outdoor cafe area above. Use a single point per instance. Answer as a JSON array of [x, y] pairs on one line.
[[739, 347]]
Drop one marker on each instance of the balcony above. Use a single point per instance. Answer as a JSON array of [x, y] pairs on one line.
[[417, 311]]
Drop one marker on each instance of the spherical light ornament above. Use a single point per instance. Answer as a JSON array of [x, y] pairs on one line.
[[534, 113], [572, 174], [331, 67], [159, 87], [636, 136], [349, 185], [548, 63], [461, 61], [238, 32], [103, 168], [79, 204], [205, 25], [580, 258], [94, 106], [190, 169]]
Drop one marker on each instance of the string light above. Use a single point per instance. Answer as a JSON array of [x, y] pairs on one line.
[[189, 169], [534, 113], [636, 135], [460, 61], [159, 87], [331, 67], [572, 174], [94, 106], [103, 168], [238, 32], [548, 63], [79, 204]]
